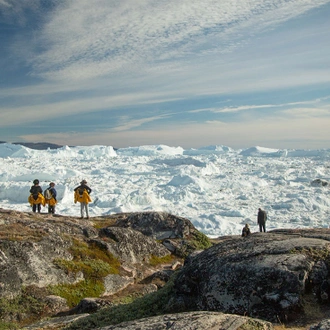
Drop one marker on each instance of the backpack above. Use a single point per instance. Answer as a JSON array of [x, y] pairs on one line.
[[81, 191], [48, 194]]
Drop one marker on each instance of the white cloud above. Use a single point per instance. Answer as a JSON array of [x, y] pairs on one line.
[[85, 39], [274, 133]]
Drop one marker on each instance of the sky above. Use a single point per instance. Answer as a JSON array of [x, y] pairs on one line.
[[187, 73]]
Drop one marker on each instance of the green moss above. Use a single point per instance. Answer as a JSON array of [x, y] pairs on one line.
[[25, 307], [315, 253], [8, 326], [154, 260], [92, 260], [74, 293], [95, 262], [200, 241], [92, 269], [82, 251], [149, 305]]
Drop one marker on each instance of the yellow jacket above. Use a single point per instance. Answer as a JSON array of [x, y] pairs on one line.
[[84, 198], [51, 202], [39, 200]]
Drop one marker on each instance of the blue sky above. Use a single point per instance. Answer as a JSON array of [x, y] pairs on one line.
[[186, 73]]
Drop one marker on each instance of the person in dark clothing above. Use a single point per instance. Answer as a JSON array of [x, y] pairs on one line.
[[246, 230], [82, 196], [35, 191], [262, 217], [51, 198]]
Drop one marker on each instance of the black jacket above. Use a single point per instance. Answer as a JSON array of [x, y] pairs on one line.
[[262, 217], [83, 186]]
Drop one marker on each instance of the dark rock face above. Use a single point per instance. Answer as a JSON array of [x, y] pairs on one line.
[[132, 246], [159, 225], [265, 275], [194, 321]]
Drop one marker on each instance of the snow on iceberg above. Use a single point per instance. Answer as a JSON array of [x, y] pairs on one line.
[[263, 152], [150, 150]]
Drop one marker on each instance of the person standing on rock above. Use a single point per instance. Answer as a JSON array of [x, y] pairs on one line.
[[81, 195], [262, 217], [50, 197], [36, 198]]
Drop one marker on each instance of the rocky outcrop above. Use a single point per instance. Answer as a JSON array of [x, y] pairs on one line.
[[194, 321], [265, 275], [40, 251], [159, 225], [132, 246]]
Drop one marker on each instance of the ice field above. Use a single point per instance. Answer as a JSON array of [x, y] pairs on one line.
[[217, 188]]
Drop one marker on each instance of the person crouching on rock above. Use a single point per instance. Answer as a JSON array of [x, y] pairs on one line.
[[81, 195], [36, 198], [50, 197], [246, 230]]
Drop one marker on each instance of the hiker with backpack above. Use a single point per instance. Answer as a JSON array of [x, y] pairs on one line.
[[81, 195], [50, 197], [36, 199]]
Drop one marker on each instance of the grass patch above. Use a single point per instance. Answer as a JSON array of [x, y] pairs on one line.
[[95, 262], [200, 241], [19, 232], [314, 253], [98, 224], [21, 310], [154, 260], [74, 293], [149, 305], [81, 251]]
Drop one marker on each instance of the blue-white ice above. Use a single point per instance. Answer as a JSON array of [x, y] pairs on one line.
[[218, 188]]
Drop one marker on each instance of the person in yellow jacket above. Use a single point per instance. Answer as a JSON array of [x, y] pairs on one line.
[[36, 199], [50, 197], [81, 195]]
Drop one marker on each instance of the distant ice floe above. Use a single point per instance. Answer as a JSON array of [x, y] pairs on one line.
[[217, 188]]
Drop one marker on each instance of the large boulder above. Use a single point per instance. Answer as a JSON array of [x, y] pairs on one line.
[[159, 225], [132, 246], [265, 275], [194, 321]]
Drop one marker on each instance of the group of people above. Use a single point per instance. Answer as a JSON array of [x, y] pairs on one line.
[[82, 195], [39, 197], [261, 220]]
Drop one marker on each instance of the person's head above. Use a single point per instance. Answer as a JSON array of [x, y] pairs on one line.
[[259, 209], [83, 182], [247, 225], [36, 181], [52, 184]]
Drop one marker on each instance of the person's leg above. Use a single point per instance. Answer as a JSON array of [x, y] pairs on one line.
[[39, 208], [34, 207], [264, 226], [86, 208], [81, 210], [260, 227]]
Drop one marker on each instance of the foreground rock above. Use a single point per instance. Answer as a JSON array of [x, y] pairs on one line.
[[194, 321], [56, 260], [266, 275]]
